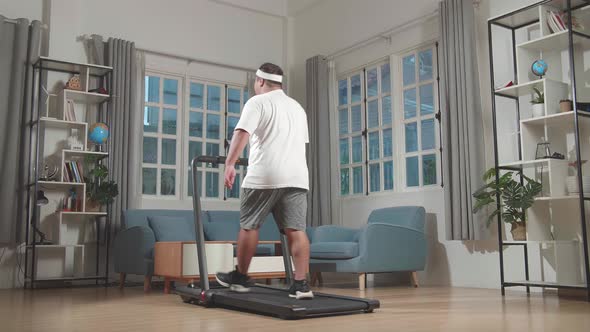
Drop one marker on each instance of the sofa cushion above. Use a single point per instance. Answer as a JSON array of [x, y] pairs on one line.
[[224, 216], [334, 250], [221, 231], [269, 230], [139, 217], [172, 228]]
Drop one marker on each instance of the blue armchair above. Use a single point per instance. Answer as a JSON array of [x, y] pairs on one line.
[[393, 240]]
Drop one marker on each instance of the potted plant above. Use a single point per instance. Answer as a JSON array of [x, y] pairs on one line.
[[538, 103], [515, 199], [565, 105], [99, 191]]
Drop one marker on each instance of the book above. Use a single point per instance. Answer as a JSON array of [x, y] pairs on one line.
[[559, 21], [505, 85]]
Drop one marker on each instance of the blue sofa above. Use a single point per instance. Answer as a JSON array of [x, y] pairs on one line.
[[133, 247], [392, 240]]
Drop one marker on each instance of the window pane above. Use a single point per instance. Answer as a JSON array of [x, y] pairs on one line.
[[199, 183], [232, 122], [150, 150], [426, 99], [195, 126], [343, 121], [374, 114], [213, 98], [168, 151], [385, 79], [169, 121], [412, 177], [149, 181], [357, 149], [356, 118], [195, 149], [233, 101], [388, 175], [409, 64], [372, 89], [246, 96], [150, 119], [197, 95], [357, 180], [386, 118], [411, 137], [425, 67], [355, 88], [409, 103], [427, 133], [212, 184], [344, 157], [168, 185], [212, 150], [429, 169], [375, 177], [387, 143], [235, 190], [344, 181], [213, 126], [152, 89], [170, 92], [343, 92], [374, 145]]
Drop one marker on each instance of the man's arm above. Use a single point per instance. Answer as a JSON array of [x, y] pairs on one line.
[[238, 143]]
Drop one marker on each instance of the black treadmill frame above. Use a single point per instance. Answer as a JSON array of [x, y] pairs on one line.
[[213, 297]]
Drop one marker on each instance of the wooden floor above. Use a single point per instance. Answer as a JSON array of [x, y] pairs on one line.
[[403, 309]]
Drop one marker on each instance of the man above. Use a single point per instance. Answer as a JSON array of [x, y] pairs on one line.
[[277, 179]]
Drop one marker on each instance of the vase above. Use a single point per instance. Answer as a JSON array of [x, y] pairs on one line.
[[538, 110], [518, 231], [565, 106], [92, 206]]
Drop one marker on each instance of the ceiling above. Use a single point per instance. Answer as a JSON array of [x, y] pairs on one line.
[[281, 8]]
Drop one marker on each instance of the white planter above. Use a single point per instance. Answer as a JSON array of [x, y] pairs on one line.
[[538, 110]]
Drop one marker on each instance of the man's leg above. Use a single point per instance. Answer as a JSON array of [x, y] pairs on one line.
[[299, 245], [247, 242]]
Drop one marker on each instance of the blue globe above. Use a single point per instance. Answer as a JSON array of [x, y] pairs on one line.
[[98, 133], [539, 67]]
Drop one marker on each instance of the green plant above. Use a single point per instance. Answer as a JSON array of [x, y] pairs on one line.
[[540, 97], [515, 198], [98, 189]]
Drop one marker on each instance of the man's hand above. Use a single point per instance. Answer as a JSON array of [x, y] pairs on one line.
[[230, 176]]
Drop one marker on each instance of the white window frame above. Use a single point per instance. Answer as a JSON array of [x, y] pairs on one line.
[[401, 121], [160, 136]]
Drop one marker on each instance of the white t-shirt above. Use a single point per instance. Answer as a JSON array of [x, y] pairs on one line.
[[277, 125]]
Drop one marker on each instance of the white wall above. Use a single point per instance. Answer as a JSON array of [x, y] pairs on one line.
[[334, 25], [31, 9]]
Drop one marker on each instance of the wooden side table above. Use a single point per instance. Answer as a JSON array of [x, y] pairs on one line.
[[176, 261]]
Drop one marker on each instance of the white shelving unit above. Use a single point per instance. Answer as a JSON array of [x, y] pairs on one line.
[[67, 231], [554, 223]]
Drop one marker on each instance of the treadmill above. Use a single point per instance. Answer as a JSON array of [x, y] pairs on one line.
[[264, 300]]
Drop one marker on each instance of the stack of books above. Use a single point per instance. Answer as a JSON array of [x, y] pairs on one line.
[[70, 114], [555, 22], [73, 172]]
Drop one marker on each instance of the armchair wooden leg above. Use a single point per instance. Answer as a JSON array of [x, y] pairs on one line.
[[122, 277], [362, 281], [147, 283], [415, 279], [166, 285], [268, 281]]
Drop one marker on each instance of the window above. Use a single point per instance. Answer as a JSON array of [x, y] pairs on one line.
[[160, 135], [365, 131], [419, 123], [386, 134], [211, 114]]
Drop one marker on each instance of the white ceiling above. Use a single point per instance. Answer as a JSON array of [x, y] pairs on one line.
[[282, 8]]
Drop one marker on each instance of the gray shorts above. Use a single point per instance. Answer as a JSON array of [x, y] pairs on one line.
[[287, 205]]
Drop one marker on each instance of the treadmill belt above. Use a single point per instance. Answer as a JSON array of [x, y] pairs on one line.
[[276, 302]]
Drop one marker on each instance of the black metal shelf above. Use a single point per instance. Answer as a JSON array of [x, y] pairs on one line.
[[513, 21], [36, 124]]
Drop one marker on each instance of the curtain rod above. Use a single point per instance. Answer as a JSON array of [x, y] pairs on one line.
[[13, 21], [383, 35], [189, 59]]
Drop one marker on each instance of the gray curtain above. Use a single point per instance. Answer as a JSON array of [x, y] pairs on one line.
[[462, 125], [319, 211], [124, 118], [19, 49]]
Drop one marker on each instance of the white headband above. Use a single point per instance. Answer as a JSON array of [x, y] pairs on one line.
[[270, 77]]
